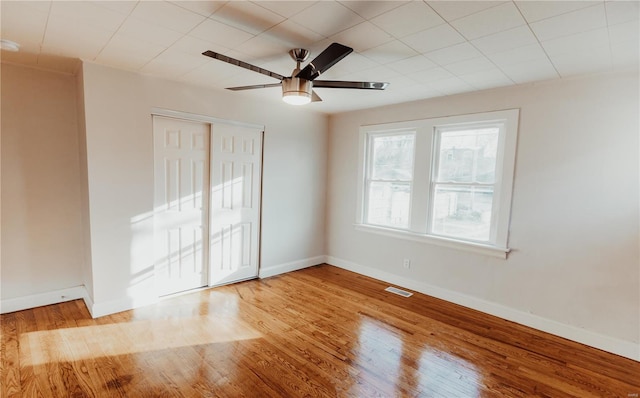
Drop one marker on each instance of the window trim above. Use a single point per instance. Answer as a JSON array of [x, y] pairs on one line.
[[423, 179]]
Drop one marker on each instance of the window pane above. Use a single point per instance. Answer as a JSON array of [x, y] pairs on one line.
[[392, 157], [389, 204], [463, 212], [468, 155]]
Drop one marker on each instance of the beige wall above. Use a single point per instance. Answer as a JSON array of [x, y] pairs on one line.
[[120, 173], [574, 226], [41, 226]]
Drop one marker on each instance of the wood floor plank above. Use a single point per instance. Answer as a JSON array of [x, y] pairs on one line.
[[9, 358], [318, 332]]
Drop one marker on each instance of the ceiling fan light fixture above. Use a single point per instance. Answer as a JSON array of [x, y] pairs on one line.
[[296, 91]]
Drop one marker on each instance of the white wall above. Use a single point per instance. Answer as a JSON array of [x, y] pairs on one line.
[[120, 174], [574, 268], [42, 246]]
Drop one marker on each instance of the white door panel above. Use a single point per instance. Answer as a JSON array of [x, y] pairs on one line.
[[235, 203], [181, 186]]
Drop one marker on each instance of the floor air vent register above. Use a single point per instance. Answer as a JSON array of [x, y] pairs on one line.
[[399, 292]]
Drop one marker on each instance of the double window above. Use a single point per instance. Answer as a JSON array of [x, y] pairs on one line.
[[445, 180]]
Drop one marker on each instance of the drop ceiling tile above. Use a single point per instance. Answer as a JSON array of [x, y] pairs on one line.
[[219, 33], [88, 13], [584, 41], [567, 24], [622, 11], [263, 47], [487, 79], [470, 66], [127, 52], [408, 19], [21, 22], [247, 16], [327, 18], [451, 86], [37, 5], [419, 92], [452, 10], [625, 32], [537, 10], [173, 64], [540, 69], [390, 52], [518, 55], [292, 34], [146, 31], [87, 40], [431, 75], [625, 55], [282, 64], [352, 63], [400, 83], [506, 40], [192, 45], [122, 7], [362, 36], [212, 73], [411, 65], [208, 75], [455, 53], [433, 39], [167, 15], [489, 21], [204, 8], [285, 8], [594, 61], [377, 74], [371, 9]]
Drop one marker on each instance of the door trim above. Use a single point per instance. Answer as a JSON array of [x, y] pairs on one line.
[[194, 117]]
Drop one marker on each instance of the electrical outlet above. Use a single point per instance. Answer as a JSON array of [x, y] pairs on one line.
[[406, 263]]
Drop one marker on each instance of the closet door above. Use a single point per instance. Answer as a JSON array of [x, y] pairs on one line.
[[236, 168], [181, 187]]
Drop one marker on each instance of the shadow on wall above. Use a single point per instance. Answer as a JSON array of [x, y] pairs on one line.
[[52, 62]]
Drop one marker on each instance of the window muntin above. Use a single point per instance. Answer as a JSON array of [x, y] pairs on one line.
[[389, 178]]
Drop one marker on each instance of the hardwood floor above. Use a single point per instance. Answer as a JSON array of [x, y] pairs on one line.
[[319, 332]]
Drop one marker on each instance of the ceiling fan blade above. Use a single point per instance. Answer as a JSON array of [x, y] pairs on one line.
[[240, 88], [315, 97], [242, 64], [329, 57], [346, 84]]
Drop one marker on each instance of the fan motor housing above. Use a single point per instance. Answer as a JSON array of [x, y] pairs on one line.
[[293, 86]]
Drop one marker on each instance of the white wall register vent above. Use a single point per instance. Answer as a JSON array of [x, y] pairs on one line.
[[399, 292]]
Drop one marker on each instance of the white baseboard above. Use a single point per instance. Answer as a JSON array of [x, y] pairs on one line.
[[292, 266], [616, 346], [41, 299], [112, 306]]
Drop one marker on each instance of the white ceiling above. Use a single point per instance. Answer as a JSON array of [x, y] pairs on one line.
[[423, 48]]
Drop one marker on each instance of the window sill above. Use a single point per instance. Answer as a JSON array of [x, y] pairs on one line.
[[493, 251]]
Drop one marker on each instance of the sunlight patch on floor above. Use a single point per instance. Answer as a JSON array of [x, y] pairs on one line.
[[73, 344]]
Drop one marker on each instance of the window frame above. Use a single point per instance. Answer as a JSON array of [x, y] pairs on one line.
[[368, 173], [423, 183], [496, 185]]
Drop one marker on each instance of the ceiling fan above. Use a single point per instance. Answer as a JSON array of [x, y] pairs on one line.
[[297, 89]]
